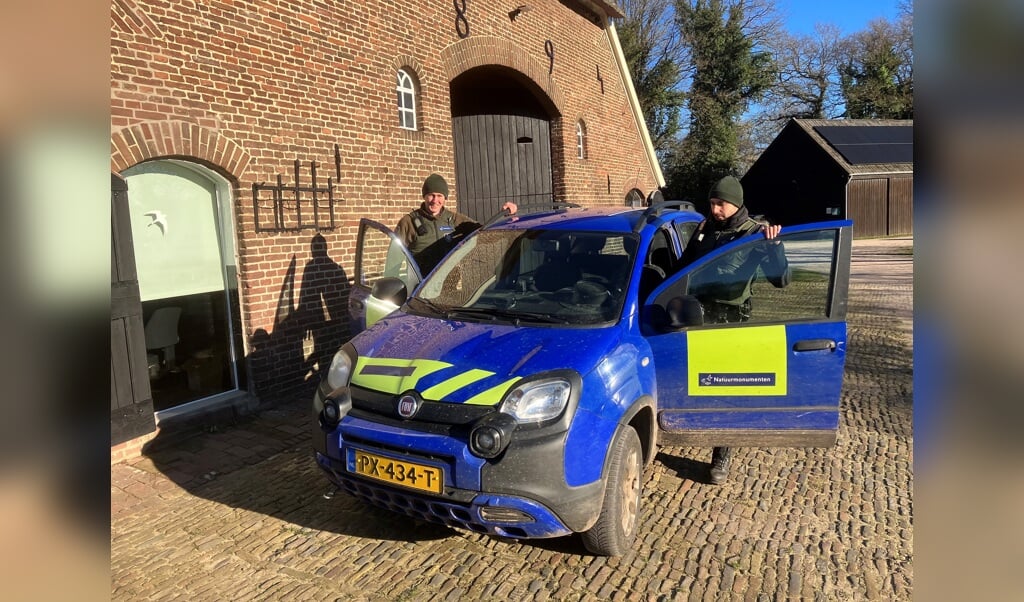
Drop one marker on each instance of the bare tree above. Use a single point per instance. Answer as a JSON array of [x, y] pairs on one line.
[[808, 84]]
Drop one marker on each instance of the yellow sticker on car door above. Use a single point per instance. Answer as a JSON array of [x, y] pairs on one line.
[[729, 362]]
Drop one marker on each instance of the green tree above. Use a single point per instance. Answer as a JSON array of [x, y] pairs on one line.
[[650, 43], [877, 77], [729, 70]]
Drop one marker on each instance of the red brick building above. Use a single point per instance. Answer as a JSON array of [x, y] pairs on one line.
[[249, 137]]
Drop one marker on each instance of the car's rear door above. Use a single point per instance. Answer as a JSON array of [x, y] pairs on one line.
[[773, 380], [379, 253]]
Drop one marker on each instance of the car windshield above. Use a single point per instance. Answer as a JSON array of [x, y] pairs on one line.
[[532, 276]]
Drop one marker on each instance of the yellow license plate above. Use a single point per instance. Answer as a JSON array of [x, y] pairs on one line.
[[396, 472]]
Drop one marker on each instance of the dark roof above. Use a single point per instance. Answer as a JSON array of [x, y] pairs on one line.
[[865, 145], [603, 7]]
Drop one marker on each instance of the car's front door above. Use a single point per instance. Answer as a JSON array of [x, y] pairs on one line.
[[771, 373], [379, 254]]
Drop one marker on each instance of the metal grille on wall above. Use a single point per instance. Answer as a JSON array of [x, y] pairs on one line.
[[281, 207]]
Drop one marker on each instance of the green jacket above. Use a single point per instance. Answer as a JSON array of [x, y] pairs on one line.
[[730, 281], [430, 238]]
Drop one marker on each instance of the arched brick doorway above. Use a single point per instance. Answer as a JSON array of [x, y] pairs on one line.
[[501, 124]]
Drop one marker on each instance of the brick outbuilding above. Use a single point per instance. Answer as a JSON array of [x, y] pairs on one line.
[[249, 137]]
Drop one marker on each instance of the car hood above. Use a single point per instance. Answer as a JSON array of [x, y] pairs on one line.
[[468, 362]]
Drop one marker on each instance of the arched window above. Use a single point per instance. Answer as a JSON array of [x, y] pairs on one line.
[[406, 90], [635, 198], [581, 140]]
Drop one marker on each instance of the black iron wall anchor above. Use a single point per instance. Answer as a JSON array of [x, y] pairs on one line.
[[549, 49], [337, 162], [461, 23], [294, 207], [600, 79]]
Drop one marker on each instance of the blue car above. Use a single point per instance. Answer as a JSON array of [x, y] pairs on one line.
[[521, 388]]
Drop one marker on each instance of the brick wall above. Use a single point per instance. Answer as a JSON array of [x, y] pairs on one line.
[[246, 88]]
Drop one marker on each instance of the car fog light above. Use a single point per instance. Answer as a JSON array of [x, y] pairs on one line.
[[331, 413], [491, 435], [487, 440]]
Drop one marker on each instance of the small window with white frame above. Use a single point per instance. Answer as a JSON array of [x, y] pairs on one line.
[[406, 90], [581, 140]]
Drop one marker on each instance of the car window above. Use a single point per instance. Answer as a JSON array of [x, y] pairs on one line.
[[660, 253], [541, 276], [382, 256], [685, 230], [762, 282], [795, 288]]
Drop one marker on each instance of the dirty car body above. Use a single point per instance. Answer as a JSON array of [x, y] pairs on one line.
[[520, 389]]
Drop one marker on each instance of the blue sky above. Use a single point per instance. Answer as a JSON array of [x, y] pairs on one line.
[[849, 15]]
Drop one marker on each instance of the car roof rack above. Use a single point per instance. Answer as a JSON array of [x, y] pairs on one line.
[[531, 208], [654, 211]]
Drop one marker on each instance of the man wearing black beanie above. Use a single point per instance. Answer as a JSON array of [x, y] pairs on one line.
[[729, 220], [431, 230]]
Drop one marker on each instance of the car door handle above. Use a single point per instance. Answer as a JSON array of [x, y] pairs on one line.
[[815, 345]]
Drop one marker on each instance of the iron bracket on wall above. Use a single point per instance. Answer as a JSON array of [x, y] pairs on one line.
[[282, 208], [461, 23]]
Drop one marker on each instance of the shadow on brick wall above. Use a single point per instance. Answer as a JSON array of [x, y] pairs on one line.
[[261, 460]]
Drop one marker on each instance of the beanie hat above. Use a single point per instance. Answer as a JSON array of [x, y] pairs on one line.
[[435, 183], [728, 189]]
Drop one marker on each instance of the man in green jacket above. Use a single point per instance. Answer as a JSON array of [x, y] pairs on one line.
[[431, 230], [726, 296]]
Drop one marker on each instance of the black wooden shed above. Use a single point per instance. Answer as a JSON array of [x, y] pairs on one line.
[[821, 169]]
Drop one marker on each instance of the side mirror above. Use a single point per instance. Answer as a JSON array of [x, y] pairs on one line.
[[390, 289], [683, 312]]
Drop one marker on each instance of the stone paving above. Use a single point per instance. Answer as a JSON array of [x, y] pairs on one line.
[[239, 513]]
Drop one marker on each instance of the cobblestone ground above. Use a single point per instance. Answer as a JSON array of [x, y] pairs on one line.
[[239, 514]]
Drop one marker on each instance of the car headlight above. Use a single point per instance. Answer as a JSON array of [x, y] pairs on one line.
[[340, 371], [538, 400]]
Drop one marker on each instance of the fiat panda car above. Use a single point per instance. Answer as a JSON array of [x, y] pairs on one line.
[[522, 387]]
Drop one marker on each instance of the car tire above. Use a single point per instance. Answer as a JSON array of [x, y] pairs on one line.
[[615, 529]]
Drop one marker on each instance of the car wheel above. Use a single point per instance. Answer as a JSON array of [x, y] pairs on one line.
[[615, 529]]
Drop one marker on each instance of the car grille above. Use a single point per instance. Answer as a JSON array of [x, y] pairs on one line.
[[384, 406]]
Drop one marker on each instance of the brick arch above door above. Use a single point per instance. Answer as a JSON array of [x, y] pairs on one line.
[[172, 138], [480, 51]]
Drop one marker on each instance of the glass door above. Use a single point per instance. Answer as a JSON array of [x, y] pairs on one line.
[[184, 252]]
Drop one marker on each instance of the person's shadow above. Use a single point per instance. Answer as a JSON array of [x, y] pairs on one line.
[[262, 461], [322, 307]]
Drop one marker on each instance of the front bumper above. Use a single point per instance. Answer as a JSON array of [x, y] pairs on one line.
[[523, 494], [469, 515]]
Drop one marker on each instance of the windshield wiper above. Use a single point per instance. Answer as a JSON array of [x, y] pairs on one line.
[[431, 306], [514, 317], [533, 316], [476, 312]]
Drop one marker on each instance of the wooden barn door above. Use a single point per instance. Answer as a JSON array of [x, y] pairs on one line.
[[868, 207], [131, 401], [501, 158], [901, 206]]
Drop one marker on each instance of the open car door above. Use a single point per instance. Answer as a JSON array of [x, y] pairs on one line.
[[773, 379], [379, 254]]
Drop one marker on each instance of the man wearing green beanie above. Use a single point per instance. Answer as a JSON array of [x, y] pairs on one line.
[[727, 221], [431, 230]]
